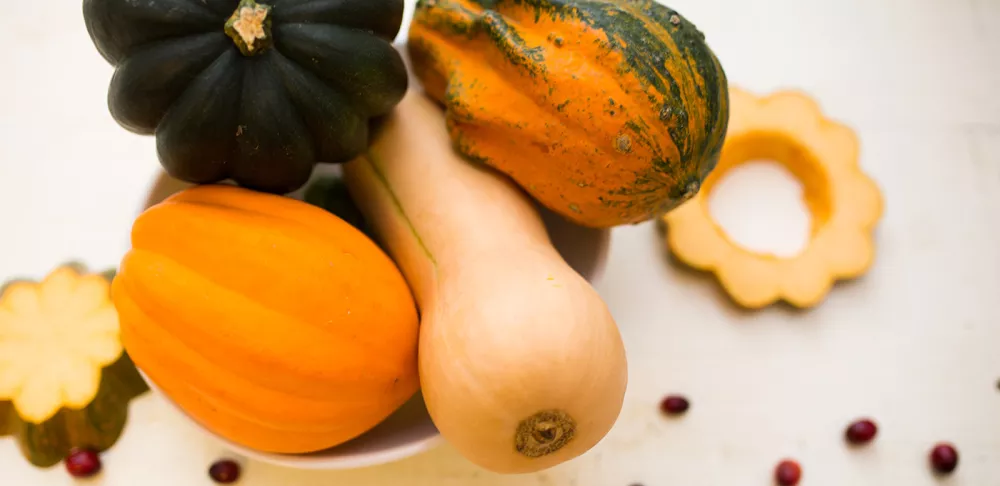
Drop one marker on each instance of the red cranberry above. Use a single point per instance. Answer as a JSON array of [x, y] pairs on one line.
[[83, 463], [788, 473], [224, 471], [944, 458], [674, 405], [861, 432]]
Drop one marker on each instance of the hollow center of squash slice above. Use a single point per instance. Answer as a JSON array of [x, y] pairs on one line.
[[768, 195]]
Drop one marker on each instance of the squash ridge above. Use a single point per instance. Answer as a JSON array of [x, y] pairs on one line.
[[118, 27], [251, 410], [383, 17], [145, 85], [131, 305], [195, 136], [291, 214], [196, 334], [322, 117], [208, 6], [461, 115], [655, 140], [222, 8], [317, 47], [272, 142], [305, 435], [204, 211]]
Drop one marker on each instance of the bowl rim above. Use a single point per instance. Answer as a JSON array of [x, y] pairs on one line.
[[306, 461]]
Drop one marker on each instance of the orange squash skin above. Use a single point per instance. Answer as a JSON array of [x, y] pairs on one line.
[[269, 321], [608, 113]]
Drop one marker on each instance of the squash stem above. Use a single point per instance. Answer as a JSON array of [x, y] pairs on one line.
[[250, 27]]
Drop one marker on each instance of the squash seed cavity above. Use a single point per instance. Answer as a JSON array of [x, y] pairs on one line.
[[544, 433]]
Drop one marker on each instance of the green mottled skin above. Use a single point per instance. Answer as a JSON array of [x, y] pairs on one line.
[[97, 426], [628, 26]]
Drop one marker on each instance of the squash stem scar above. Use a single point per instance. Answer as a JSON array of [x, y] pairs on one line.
[[544, 433], [380, 175], [250, 27]]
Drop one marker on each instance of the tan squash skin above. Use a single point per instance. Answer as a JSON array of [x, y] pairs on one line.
[[521, 363]]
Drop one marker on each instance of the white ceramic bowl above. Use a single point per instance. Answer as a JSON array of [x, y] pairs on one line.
[[409, 430]]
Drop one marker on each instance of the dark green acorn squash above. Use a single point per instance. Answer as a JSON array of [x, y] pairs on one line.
[[256, 92]]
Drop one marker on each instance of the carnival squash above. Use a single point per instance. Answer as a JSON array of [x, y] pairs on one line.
[[607, 112], [256, 92], [64, 381], [271, 322], [790, 128], [521, 364]]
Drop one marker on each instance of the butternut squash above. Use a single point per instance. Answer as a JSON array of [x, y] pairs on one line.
[[521, 364]]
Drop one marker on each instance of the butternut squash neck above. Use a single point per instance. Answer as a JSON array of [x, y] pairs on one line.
[[458, 237]]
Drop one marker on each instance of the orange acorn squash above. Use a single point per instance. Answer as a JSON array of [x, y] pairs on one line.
[[269, 321], [607, 112]]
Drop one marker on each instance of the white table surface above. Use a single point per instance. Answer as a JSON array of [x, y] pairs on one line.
[[915, 344]]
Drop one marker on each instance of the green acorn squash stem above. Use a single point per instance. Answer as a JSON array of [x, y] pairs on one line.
[[250, 27]]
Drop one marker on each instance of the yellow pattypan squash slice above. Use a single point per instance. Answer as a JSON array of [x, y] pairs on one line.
[[64, 379]]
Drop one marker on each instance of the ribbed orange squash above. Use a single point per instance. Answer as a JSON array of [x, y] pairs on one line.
[[269, 321], [607, 112]]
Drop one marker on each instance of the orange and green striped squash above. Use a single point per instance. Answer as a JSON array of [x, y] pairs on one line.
[[607, 112]]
